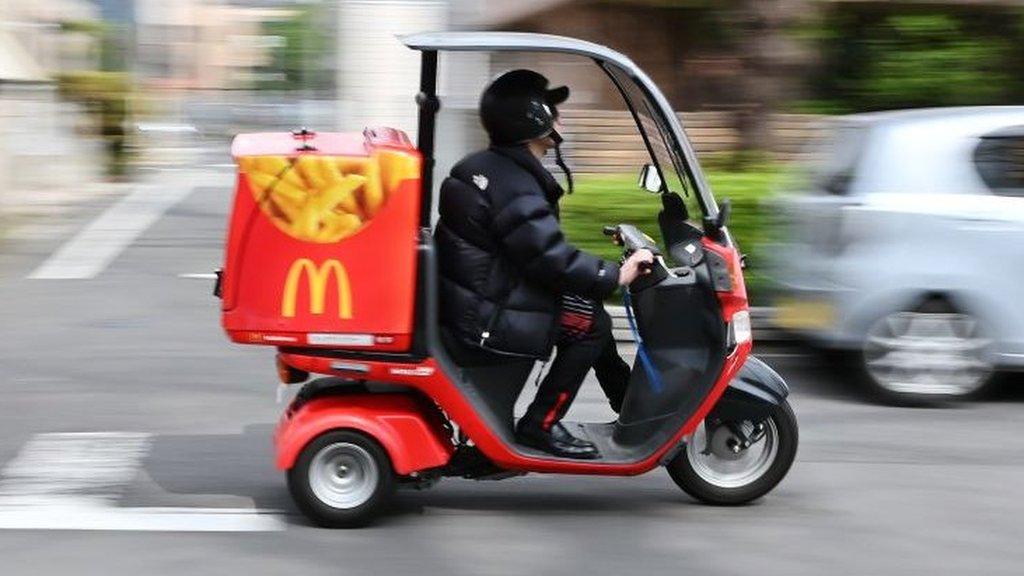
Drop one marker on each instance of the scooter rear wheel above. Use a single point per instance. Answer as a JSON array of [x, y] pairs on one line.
[[714, 470], [342, 479]]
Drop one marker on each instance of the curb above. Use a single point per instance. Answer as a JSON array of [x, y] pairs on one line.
[[761, 317]]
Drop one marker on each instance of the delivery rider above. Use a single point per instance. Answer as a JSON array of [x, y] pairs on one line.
[[512, 286]]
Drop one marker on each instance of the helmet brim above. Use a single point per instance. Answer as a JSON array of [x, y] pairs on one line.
[[556, 96]]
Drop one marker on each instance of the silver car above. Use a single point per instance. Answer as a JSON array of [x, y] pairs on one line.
[[908, 248]]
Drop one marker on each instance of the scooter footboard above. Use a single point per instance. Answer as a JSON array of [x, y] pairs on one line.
[[752, 393], [411, 432]]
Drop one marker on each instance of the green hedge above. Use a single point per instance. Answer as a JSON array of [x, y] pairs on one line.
[[603, 200]]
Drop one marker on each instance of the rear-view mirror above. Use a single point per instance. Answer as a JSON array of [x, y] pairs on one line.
[[650, 178]]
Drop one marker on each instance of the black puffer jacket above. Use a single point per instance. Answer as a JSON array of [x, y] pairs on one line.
[[503, 259]]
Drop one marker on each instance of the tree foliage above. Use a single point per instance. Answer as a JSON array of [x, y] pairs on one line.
[[937, 57], [297, 62], [106, 92]]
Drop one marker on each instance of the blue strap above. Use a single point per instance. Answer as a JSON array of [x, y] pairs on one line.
[[641, 352]]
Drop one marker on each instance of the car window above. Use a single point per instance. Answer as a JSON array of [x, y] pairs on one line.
[[999, 159], [918, 157], [835, 159]]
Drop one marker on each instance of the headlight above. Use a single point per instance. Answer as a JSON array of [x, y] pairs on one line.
[[739, 328]]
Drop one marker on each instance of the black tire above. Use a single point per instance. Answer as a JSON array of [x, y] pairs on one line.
[[683, 473], [888, 394], [355, 450]]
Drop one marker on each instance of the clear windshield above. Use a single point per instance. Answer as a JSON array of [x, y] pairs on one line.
[[658, 139]]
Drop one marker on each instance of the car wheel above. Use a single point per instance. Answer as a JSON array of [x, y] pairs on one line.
[[930, 354], [342, 479]]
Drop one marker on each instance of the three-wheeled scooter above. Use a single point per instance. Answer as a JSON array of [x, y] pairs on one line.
[[329, 259]]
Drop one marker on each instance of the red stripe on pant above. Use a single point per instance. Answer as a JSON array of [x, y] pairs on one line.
[[581, 322], [549, 419]]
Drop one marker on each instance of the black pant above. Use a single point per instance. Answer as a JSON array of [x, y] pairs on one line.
[[573, 360]]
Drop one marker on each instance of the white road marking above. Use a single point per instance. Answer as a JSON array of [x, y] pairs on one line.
[[71, 481], [140, 519], [90, 251], [81, 467], [199, 276]]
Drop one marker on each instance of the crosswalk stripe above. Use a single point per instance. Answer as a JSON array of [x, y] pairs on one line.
[[90, 251], [72, 481], [76, 467], [199, 276], [140, 519]]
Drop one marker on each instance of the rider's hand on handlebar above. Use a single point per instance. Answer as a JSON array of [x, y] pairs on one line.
[[638, 264]]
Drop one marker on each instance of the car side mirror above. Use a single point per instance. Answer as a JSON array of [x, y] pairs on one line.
[[650, 179], [838, 184]]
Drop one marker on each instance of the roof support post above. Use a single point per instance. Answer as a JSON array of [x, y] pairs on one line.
[[428, 106]]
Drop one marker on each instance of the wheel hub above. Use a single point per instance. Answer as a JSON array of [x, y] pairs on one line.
[[927, 353], [724, 444], [733, 455], [343, 475]]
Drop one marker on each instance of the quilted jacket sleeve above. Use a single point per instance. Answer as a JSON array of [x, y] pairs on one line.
[[530, 236]]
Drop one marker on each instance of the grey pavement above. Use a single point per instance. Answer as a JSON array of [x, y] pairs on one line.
[[875, 490]]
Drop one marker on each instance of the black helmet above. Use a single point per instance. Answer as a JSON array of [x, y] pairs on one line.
[[517, 106]]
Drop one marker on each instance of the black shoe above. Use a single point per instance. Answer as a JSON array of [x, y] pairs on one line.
[[560, 433], [535, 437]]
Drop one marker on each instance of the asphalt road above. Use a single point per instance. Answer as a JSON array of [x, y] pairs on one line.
[[136, 353]]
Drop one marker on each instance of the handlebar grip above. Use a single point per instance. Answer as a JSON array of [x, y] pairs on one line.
[[633, 239]]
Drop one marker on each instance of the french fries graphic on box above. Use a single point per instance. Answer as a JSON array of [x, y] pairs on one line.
[[325, 198]]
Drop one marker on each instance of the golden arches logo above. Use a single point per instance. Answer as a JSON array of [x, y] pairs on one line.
[[317, 278]]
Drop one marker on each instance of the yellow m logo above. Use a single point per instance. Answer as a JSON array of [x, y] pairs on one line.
[[317, 277]]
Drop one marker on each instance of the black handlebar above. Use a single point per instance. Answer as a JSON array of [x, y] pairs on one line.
[[632, 239]]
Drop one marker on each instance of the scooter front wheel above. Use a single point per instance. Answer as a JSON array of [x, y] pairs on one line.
[[342, 479], [731, 463]]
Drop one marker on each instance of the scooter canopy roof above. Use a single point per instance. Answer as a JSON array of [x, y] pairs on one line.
[[514, 42], [604, 56]]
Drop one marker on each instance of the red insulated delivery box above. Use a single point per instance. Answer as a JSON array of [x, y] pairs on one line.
[[321, 247]]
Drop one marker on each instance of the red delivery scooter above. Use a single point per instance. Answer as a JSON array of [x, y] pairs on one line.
[[329, 258]]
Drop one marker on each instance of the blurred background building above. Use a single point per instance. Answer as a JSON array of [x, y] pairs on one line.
[[38, 43], [332, 63], [108, 89], [111, 89]]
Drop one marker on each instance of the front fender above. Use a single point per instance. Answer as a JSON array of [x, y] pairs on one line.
[[410, 431], [752, 393]]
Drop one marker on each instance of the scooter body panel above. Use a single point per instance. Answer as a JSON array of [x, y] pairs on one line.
[[752, 393], [434, 381], [409, 430], [439, 379]]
